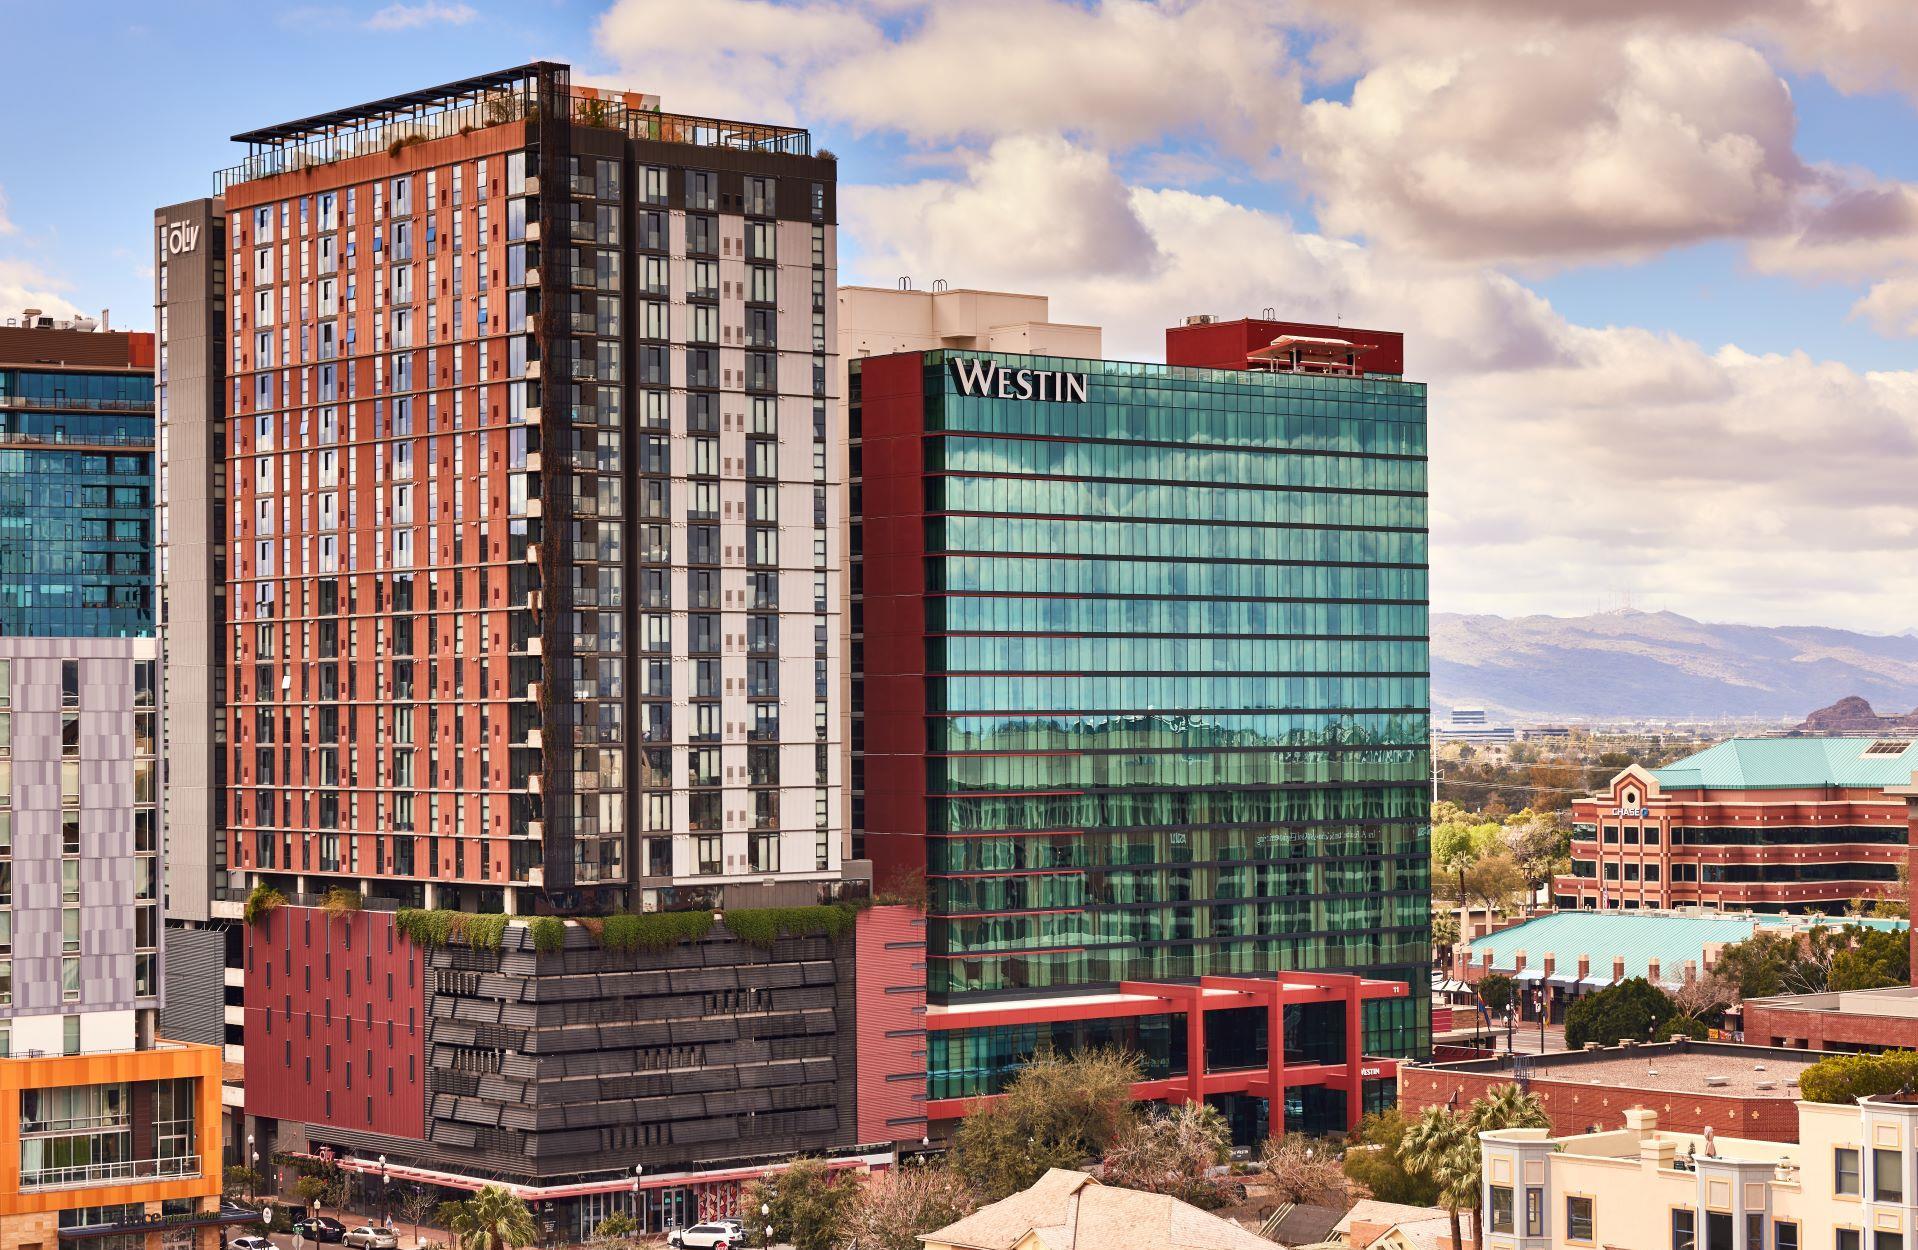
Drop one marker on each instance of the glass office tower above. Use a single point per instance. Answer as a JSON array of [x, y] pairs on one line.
[[1173, 715]]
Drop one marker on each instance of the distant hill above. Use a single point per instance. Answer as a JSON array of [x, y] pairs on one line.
[[1853, 715], [1658, 664]]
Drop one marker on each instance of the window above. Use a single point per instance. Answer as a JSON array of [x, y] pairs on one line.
[[1844, 1167], [70, 1033], [1887, 1176], [1501, 1213], [1684, 1228], [1754, 1230], [1534, 1197], [1784, 1235], [1846, 1239], [1578, 1219], [1882, 1240]]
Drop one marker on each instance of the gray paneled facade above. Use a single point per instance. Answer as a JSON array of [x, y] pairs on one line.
[[85, 842]]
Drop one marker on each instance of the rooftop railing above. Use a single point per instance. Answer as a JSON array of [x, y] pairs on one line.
[[90, 1174], [501, 108]]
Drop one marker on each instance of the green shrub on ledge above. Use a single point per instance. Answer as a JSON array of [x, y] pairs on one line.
[[262, 902], [651, 931], [549, 934], [431, 927], [762, 926]]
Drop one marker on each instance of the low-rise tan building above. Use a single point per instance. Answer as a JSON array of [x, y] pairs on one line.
[[1849, 1183], [1067, 1210]]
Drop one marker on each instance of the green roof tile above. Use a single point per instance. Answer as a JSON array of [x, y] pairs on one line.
[[1791, 763], [1638, 936]]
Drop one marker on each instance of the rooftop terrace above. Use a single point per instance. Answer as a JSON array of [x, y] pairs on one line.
[[493, 99]]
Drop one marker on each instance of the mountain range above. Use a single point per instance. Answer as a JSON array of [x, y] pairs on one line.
[[1660, 665]]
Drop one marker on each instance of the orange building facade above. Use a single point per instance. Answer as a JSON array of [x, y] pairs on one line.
[[115, 1150]]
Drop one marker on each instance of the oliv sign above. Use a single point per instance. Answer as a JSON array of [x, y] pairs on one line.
[[982, 377], [179, 238]]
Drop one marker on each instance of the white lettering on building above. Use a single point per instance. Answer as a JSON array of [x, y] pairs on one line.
[[982, 377], [179, 238]]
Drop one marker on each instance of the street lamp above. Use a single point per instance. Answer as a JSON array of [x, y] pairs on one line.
[[386, 1196], [253, 1184], [639, 1205], [766, 1214]]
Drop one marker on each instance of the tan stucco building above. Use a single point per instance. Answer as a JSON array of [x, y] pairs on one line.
[[1849, 1183]]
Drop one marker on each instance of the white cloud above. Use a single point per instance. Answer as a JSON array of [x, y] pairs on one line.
[[24, 285], [1122, 71], [1568, 461], [402, 16], [1891, 306], [1558, 146]]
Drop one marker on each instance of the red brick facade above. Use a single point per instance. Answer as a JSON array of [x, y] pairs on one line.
[[1828, 1030], [1575, 1107]]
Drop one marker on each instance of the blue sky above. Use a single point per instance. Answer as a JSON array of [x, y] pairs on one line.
[[1607, 235]]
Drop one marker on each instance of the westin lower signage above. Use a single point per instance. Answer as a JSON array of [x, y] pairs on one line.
[[982, 377]]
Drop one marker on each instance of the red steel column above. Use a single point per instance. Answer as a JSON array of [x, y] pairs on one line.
[[1354, 1052], [1275, 1061], [1195, 1046]]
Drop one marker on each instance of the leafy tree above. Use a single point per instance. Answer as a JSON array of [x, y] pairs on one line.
[[491, 1219], [1439, 1147], [1495, 880], [1631, 1009], [1539, 842], [1496, 991], [1444, 936], [896, 1206], [1822, 958], [618, 1226], [1847, 1078], [240, 1182], [1684, 1026], [1378, 1165], [1875, 958], [1306, 1170], [1171, 1152], [414, 1204], [322, 1189], [1055, 1113], [811, 1204], [1457, 845]]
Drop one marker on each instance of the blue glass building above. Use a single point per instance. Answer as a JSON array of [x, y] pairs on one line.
[[1143, 663], [76, 483]]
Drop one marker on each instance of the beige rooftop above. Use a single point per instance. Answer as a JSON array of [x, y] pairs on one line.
[[1067, 1210]]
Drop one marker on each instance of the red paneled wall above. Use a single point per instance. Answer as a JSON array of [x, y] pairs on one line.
[[1224, 344], [893, 505], [336, 1022], [890, 945]]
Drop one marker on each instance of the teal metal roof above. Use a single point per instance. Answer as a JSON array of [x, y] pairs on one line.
[[1791, 763], [1639, 936]]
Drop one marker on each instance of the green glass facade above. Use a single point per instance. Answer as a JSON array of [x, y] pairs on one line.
[[76, 504], [1176, 683]]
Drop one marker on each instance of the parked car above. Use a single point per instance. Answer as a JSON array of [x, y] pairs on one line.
[[321, 1228], [370, 1237], [712, 1235], [250, 1243]]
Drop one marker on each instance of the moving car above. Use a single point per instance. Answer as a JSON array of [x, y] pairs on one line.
[[250, 1243], [321, 1228], [370, 1237], [712, 1235]]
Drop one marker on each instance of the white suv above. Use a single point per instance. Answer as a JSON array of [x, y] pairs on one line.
[[712, 1235]]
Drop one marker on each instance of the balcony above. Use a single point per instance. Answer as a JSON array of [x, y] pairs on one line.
[[89, 1174]]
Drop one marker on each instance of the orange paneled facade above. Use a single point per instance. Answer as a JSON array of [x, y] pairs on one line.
[[29, 1213]]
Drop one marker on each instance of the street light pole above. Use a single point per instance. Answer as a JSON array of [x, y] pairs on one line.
[[386, 1196], [639, 1205]]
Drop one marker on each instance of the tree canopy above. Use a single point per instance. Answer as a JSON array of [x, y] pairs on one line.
[[1056, 1112], [1847, 1078], [1633, 1009]]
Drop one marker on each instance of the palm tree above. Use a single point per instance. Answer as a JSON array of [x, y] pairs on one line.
[[491, 1219], [1439, 1146], [1502, 1106]]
